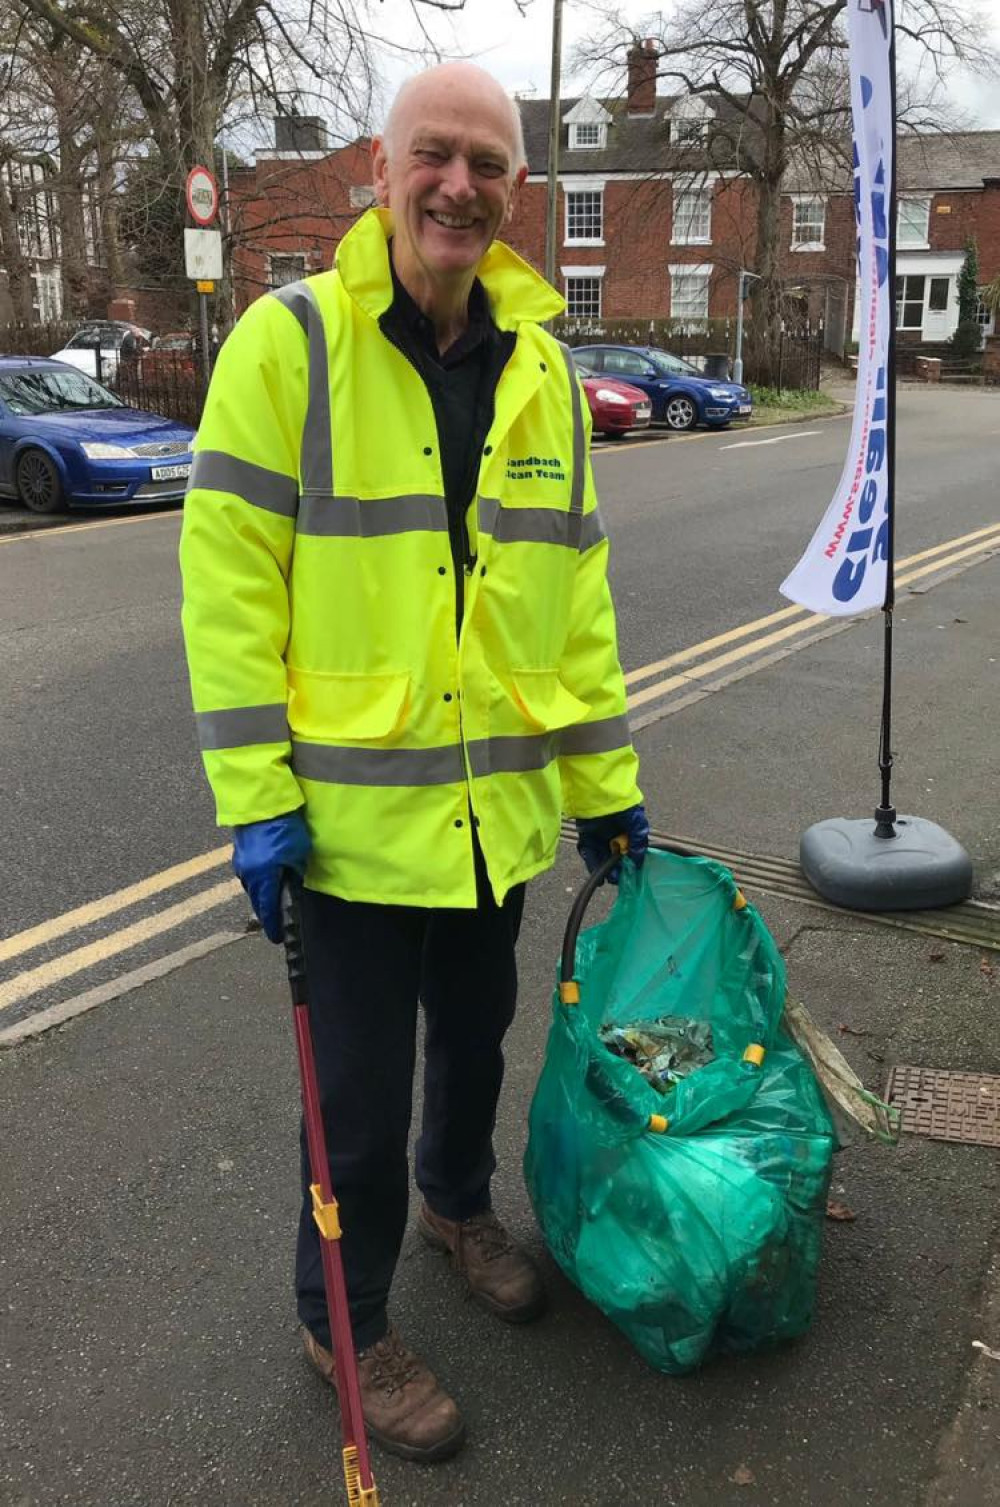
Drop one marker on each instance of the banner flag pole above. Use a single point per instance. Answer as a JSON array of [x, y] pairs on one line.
[[902, 862]]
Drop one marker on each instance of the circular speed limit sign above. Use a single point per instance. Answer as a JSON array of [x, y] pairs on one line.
[[202, 196]]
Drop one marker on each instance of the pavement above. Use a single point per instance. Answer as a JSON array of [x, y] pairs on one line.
[[150, 1357]]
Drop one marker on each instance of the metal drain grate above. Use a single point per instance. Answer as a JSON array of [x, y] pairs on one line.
[[946, 1106]]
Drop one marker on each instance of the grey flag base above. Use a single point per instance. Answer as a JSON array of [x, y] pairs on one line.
[[922, 867]]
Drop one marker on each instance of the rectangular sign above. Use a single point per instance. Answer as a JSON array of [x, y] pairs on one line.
[[203, 255], [844, 568]]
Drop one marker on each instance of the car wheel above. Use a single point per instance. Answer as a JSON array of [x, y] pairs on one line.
[[38, 484], [680, 413]]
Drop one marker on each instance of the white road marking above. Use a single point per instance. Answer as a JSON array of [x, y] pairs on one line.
[[778, 439]]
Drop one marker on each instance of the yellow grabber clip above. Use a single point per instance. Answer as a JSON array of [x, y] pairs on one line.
[[357, 1495], [325, 1215], [659, 1124], [569, 992], [755, 1053]]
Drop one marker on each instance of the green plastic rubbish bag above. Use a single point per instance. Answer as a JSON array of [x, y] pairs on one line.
[[704, 1238]]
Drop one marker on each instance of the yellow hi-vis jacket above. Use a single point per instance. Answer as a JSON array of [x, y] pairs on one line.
[[319, 596]]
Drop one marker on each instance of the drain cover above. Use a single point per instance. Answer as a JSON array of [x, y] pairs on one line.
[[947, 1106]]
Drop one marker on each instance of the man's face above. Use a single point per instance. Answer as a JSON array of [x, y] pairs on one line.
[[450, 180]]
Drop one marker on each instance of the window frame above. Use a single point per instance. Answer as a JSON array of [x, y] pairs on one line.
[[570, 280], [702, 272], [800, 202], [576, 145], [914, 199], [902, 301], [707, 192], [285, 256], [575, 192]]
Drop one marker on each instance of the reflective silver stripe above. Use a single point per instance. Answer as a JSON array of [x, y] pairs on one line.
[[270, 490], [604, 736], [378, 766], [370, 517], [294, 298], [242, 725], [317, 441], [539, 525], [514, 755], [592, 531], [444, 766], [579, 441]]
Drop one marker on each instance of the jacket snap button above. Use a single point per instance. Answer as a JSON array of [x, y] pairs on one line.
[[475, 821], [442, 570], [458, 822], [488, 450], [543, 366], [447, 695], [482, 570], [428, 450]]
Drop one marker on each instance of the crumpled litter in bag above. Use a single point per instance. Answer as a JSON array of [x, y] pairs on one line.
[[703, 1237]]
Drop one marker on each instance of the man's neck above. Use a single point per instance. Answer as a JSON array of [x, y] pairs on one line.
[[445, 305]]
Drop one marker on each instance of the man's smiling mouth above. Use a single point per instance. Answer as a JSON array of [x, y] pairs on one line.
[[451, 222]]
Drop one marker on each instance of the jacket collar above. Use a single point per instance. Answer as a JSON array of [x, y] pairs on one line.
[[515, 291]]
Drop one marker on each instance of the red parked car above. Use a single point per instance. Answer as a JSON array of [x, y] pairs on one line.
[[615, 407]]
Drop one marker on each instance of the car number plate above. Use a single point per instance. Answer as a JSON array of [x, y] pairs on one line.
[[170, 473], [745, 408], [642, 410]]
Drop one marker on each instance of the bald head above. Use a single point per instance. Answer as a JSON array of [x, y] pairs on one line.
[[453, 82]]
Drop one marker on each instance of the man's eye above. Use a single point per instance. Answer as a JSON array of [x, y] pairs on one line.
[[490, 169], [430, 156]]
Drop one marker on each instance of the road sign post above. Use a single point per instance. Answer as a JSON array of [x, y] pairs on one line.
[[203, 249]]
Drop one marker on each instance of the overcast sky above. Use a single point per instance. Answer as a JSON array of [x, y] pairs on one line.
[[518, 49]]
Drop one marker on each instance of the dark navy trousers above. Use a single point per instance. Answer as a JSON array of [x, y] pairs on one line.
[[369, 966]]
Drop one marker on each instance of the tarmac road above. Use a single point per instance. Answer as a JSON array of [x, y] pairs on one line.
[[147, 1194]]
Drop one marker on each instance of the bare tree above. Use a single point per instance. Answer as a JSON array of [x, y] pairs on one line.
[[196, 65], [778, 67]]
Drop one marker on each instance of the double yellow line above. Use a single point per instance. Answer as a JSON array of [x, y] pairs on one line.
[[764, 633], [43, 975]]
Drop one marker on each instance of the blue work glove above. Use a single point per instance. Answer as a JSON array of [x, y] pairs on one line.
[[596, 833], [260, 851]]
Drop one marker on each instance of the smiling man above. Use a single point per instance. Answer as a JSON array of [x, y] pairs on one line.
[[404, 667]]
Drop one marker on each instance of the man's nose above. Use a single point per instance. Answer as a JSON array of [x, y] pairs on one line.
[[457, 179]]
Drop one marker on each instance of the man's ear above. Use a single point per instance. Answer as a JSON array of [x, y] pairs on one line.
[[380, 171]]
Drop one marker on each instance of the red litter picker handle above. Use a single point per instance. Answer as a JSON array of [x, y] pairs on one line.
[[361, 1488]]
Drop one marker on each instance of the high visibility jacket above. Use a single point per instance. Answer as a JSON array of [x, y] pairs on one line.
[[319, 596]]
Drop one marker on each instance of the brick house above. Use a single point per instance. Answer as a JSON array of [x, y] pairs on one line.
[[655, 215]]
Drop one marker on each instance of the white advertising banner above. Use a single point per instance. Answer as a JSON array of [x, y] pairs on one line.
[[843, 570]]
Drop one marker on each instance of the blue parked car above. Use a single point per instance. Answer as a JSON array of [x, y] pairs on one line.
[[65, 441], [680, 395]]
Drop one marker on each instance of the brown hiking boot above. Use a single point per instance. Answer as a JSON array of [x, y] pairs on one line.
[[499, 1274], [406, 1410]]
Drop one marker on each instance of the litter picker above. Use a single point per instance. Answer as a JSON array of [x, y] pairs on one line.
[[361, 1488]]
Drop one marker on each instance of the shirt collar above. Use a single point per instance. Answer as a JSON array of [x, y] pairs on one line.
[[406, 312]]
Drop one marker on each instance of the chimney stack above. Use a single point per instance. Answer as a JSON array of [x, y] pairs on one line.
[[642, 61]]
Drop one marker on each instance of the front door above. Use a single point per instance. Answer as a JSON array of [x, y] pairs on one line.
[[938, 321]]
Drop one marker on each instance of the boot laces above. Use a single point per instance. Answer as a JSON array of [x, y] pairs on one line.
[[487, 1233], [395, 1366]]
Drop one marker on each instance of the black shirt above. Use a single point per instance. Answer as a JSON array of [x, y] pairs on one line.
[[462, 383]]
